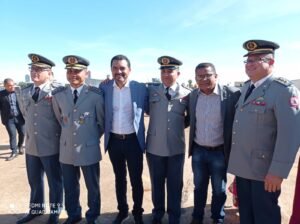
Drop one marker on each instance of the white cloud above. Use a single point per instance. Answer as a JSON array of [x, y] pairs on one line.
[[202, 11], [234, 11]]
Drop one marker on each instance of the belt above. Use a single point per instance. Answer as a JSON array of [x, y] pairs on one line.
[[122, 136], [211, 148]]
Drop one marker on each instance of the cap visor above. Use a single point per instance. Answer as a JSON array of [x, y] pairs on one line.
[[168, 67], [42, 65], [76, 67], [259, 52]]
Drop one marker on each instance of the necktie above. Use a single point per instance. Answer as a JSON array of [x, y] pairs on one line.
[[168, 95], [249, 91], [36, 93], [75, 92]]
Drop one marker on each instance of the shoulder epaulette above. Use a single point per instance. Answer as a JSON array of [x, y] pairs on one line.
[[283, 81], [58, 90], [153, 88], [55, 84], [149, 84], [94, 89], [247, 81], [28, 86]]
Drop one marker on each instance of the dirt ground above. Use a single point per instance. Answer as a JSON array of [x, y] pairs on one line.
[[15, 192]]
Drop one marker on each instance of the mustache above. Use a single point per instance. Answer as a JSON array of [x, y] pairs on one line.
[[120, 74]]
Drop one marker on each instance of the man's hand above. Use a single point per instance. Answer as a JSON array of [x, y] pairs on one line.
[[105, 81], [273, 183]]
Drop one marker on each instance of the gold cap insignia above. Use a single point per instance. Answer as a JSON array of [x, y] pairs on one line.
[[72, 60], [34, 58], [251, 45], [165, 61]]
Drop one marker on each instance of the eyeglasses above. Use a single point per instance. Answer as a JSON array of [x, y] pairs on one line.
[[37, 69], [202, 77], [252, 61]]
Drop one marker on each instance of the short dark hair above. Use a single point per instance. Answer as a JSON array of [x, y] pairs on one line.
[[205, 65], [7, 80], [120, 57]]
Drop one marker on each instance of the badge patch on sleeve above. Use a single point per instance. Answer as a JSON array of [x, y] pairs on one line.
[[294, 102]]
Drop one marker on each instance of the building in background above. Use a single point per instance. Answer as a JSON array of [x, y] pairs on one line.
[[27, 78]]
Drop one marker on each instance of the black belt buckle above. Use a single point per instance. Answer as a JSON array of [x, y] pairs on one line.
[[211, 148], [216, 148], [122, 136]]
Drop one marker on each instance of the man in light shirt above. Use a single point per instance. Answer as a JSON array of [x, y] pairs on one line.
[[211, 109], [125, 103]]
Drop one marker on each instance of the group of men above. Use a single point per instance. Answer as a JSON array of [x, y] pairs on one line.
[[251, 133]]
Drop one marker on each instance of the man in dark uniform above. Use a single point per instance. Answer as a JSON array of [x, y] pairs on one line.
[[42, 140], [12, 118], [265, 136]]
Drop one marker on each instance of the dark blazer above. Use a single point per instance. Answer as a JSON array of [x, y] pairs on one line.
[[5, 108], [139, 98], [229, 98]]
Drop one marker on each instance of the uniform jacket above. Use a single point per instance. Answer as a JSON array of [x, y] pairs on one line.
[[5, 107], [82, 125], [139, 98], [168, 120], [42, 130], [266, 131], [229, 98]]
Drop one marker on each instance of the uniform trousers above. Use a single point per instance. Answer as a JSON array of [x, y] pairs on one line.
[[166, 170], [71, 177], [256, 205], [122, 152], [36, 168]]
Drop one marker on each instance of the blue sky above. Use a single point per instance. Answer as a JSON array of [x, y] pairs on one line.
[[193, 31]]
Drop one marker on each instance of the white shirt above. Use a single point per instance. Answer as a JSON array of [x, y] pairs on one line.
[[122, 122], [209, 123], [42, 86], [261, 81], [78, 90], [172, 90]]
